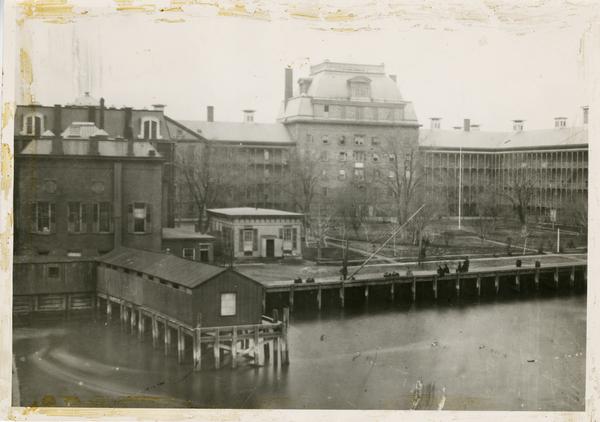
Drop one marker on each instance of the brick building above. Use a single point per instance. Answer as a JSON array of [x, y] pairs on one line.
[[36, 121], [81, 188], [552, 163], [352, 119]]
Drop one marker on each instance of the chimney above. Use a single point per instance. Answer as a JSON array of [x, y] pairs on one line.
[[210, 114], [57, 146], [560, 122], [393, 78], [101, 122], [289, 81], [91, 114], [586, 110], [518, 125], [435, 122], [248, 116], [159, 107], [128, 130], [467, 125]]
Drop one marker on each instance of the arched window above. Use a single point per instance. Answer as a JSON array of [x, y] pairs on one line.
[[150, 128], [33, 124]]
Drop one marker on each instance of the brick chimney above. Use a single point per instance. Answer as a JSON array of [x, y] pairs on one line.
[[57, 145], [101, 120], [467, 125], [518, 125], [289, 84], [210, 114], [586, 110], [128, 130]]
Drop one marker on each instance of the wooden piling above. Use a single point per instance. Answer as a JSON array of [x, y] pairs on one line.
[[197, 344], [497, 283], [125, 316], [392, 291], [342, 299], [319, 297], [264, 302], [141, 325], [291, 298], [518, 281], [67, 305], [167, 338], [268, 347], [133, 319], [122, 316], [285, 358], [180, 345], [234, 347], [572, 278], [413, 289], [536, 278], [217, 348], [556, 278], [108, 309], [457, 285], [154, 331], [478, 285], [435, 287], [366, 293], [255, 347]]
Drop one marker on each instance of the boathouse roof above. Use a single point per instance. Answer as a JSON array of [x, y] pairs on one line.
[[164, 266]]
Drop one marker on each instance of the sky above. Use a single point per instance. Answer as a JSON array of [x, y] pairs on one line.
[[488, 70]]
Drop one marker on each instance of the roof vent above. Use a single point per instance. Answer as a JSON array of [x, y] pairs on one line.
[[435, 122], [560, 122], [248, 116]]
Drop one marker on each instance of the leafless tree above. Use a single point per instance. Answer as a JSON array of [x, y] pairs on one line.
[[576, 213], [488, 211], [520, 193]]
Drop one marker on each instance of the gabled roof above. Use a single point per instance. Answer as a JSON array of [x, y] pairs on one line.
[[252, 212], [267, 133], [545, 138], [164, 266]]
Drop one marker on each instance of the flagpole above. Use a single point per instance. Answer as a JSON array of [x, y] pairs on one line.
[[459, 185]]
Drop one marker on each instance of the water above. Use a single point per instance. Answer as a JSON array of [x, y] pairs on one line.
[[519, 354]]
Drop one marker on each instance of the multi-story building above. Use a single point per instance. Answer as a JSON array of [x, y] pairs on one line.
[[549, 167], [353, 120], [81, 189], [250, 160], [36, 121]]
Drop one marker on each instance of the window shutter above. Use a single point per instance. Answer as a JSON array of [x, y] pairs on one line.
[[52, 208], [294, 238], [148, 218], [241, 243], [84, 217], [95, 217], [281, 233], [130, 218], [33, 217], [254, 239]]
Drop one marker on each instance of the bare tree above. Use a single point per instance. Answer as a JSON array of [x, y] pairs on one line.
[[488, 211], [520, 193], [402, 178], [351, 209], [576, 213]]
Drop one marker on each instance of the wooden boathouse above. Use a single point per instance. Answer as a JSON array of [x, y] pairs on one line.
[[219, 308]]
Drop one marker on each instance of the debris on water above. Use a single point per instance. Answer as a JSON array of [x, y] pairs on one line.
[[356, 355], [530, 360], [482, 346], [434, 344]]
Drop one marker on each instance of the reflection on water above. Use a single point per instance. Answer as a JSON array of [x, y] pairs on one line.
[[520, 354]]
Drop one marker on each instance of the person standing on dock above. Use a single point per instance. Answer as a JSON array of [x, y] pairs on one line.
[[446, 269], [344, 271]]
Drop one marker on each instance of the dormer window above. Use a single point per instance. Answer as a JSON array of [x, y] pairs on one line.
[[150, 128], [33, 124], [360, 88]]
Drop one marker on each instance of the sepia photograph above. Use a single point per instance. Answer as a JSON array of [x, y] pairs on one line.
[[317, 205]]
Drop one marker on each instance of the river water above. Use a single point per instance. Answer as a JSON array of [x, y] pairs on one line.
[[501, 354]]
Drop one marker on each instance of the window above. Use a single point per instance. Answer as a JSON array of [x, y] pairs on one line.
[[342, 140], [150, 128], [53, 272], [375, 157], [248, 241], [77, 217], [43, 217], [102, 217], [189, 253], [360, 89], [359, 139], [266, 155], [342, 174], [359, 156], [326, 108], [359, 174], [33, 124], [374, 140], [392, 157], [343, 156], [228, 304], [140, 217], [324, 156], [325, 139]]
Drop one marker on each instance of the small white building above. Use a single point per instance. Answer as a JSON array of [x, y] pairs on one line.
[[257, 232]]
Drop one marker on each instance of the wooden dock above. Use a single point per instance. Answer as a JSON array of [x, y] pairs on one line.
[[256, 343], [478, 281]]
